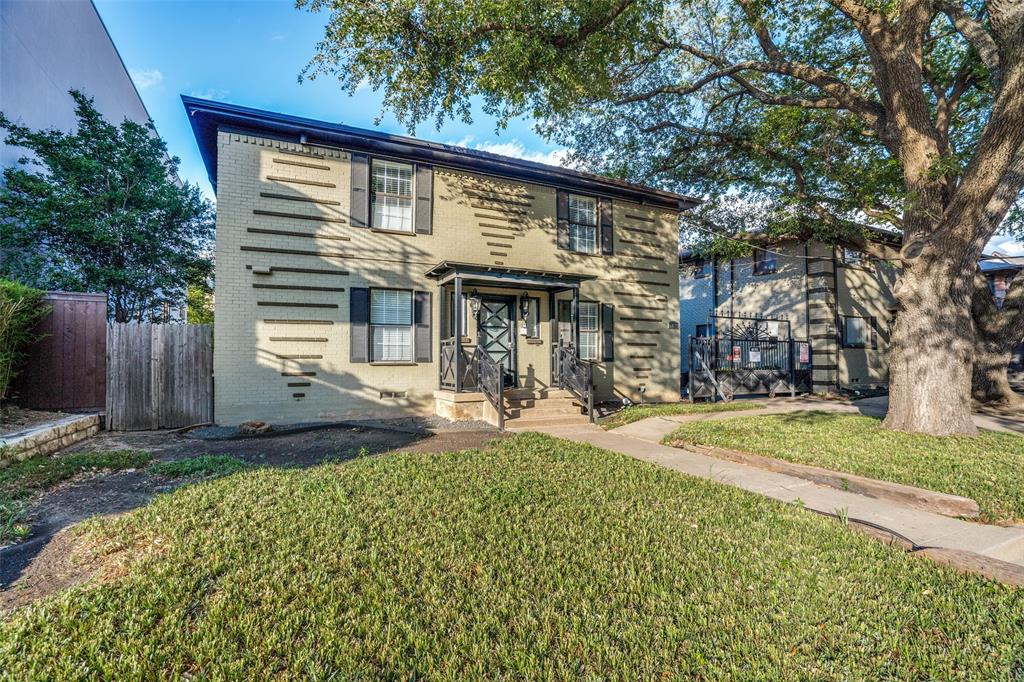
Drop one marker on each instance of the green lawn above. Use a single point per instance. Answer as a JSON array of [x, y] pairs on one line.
[[988, 468], [536, 558], [203, 466], [20, 480], [635, 413]]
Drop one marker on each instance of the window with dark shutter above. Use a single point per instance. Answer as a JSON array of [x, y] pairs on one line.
[[608, 332], [421, 323], [359, 323], [424, 198], [563, 220], [359, 194], [607, 233]]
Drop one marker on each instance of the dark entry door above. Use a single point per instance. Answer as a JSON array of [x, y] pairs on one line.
[[496, 329]]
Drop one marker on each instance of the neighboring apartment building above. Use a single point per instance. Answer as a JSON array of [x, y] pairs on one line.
[[361, 274], [837, 299]]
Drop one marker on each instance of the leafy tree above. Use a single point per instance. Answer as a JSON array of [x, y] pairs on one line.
[[199, 299], [831, 114], [21, 309], [102, 209]]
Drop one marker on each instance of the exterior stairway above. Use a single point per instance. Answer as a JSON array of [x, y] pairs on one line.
[[537, 408]]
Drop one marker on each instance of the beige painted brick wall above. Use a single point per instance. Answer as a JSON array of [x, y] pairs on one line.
[[248, 362]]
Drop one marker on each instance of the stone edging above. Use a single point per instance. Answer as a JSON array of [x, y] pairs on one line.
[[909, 496], [47, 438]]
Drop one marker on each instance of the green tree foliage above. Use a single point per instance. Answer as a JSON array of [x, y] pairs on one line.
[[21, 308], [821, 119], [102, 209]]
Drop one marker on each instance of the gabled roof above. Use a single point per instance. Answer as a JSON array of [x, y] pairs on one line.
[[208, 116]]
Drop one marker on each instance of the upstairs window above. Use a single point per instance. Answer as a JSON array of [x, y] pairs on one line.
[[852, 256], [391, 196], [582, 223], [702, 269], [765, 262], [589, 325], [391, 325]]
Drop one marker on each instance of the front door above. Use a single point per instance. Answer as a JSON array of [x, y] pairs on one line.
[[496, 331]]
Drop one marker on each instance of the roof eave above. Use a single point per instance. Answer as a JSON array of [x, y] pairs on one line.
[[274, 124]]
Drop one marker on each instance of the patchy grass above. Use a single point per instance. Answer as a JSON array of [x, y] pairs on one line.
[[988, 468], [20, 480], [203, 466], [535, 558], [635, 413]]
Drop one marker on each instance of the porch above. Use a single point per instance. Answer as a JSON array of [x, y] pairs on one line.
[[509, 340]]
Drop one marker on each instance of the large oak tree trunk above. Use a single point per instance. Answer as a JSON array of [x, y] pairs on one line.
[[930, 356], [990, 384]]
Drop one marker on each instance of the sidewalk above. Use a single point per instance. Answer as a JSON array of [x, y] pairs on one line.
[[642, 441]]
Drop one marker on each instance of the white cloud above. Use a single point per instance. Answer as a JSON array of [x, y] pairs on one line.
[[1005, 245], [210, 94], [278, 37], [146, 78], [516, 149]]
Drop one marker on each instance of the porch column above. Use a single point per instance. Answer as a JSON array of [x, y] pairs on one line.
[[576, 319], [458, 334]]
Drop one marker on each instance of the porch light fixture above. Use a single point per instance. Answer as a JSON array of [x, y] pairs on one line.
[[524, 307], [474, 303]]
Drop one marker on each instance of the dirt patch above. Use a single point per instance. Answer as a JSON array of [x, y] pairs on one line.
[[14, 419], [44, 563]]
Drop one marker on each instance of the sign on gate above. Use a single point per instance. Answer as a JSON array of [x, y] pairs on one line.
[[755, 355], [805, 352]]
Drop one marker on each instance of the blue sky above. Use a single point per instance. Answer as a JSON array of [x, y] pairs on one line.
[[251, 53]]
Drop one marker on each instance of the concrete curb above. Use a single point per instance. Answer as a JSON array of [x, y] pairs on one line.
[[917, 498]]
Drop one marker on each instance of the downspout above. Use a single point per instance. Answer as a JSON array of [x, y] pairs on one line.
[[839, 337], [807, 292]]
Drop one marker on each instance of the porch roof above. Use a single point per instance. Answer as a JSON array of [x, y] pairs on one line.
[[499, 275]]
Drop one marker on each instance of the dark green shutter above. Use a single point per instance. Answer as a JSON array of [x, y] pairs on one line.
[[608, 332], [607, 237], [424, 198], [562, 238], [359, 325], [359, 194], [422, 340]]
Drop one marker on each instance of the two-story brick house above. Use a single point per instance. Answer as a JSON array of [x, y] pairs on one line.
[[364, 274]]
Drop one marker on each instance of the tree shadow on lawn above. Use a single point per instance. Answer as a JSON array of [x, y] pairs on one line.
[[33, 568]]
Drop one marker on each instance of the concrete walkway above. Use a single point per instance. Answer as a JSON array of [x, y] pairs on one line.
[[642, 441]]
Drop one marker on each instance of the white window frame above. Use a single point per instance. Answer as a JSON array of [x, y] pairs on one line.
[[590, 337], [852, 256], [582, 234], [406, 356], [396, 199]]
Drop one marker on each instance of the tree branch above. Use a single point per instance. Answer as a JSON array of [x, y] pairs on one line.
[[975, 34]]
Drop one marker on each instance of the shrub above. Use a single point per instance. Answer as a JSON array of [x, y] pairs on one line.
[[21, 308]]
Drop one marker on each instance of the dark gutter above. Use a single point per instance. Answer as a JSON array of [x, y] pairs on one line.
[[207, 117]]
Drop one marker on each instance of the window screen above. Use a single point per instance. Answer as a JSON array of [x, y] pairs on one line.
[[764, 262], [392, 195], [856, 332], [588, 330], [391, 325], [582, 223]]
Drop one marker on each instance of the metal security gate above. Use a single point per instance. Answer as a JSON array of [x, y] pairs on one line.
[[726, 367]]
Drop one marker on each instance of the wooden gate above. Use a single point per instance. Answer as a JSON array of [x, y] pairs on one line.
[[159, 375], [66, 368]]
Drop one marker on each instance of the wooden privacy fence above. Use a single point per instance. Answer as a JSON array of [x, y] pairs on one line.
[[159, 375], [66, 368]]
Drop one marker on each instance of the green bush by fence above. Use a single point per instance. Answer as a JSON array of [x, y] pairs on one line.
[[21, 308]]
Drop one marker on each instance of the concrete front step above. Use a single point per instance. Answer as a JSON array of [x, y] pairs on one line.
[[535, 393], [543, 411], [523, 423]]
